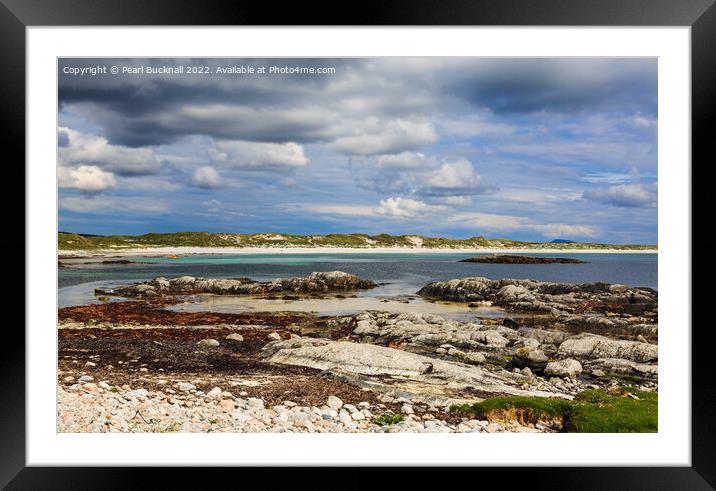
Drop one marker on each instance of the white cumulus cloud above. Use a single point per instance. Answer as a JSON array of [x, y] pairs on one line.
[[407, 208], [253, 155], [455, 177], [385, 138], [206, 177], [397, 207], [86, 149], [87, 178]]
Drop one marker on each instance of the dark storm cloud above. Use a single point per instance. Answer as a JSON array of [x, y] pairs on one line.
[[559, 85], [355, 105], [143, 110], [123, 92], [222, 121]]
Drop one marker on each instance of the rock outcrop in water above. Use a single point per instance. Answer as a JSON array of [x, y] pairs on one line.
[[513, 259], [189, 285], [537, 296]]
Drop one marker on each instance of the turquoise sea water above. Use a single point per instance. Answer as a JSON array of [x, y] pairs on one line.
[[400, 273]]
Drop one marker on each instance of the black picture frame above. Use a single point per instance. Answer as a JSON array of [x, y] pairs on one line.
[[700, 15]]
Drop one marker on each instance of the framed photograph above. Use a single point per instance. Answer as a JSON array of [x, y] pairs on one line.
[[424, 236]]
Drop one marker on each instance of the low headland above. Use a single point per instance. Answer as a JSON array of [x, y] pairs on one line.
[[181, 243]]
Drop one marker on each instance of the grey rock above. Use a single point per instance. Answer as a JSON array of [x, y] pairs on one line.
[[431, 331], [255, 403], [334, 403], [345, 417], [472, 357], [215, 393], [543, 336], [137, 393], [208, 343], [621, 366], [590, 346], [532, 358], [185, 386], [564, 368], [514, 293], [530, 343]]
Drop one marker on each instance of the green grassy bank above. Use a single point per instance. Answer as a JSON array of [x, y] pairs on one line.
[[72, 241]]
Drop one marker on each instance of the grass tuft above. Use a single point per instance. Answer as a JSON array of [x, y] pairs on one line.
[[171, 428], [626, 410]]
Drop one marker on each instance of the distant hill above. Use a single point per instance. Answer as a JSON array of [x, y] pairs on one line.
[[562, 241], [72, 241]]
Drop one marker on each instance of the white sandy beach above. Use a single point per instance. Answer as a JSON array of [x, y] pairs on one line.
[[184, 251]]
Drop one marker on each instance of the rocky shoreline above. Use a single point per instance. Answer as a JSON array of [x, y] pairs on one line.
[[183, 408], [137, 366]]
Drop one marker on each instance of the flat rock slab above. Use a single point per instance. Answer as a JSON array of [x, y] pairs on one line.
[[372, 362], [590, 346]]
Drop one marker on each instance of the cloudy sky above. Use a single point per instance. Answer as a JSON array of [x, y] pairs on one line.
[[530, 149]]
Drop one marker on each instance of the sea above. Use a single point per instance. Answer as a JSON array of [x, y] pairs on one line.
[[399, 275]]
